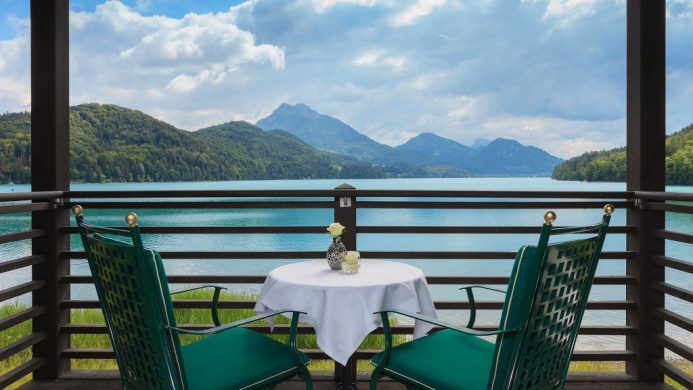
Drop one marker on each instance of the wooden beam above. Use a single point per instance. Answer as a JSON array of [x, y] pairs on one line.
[[645, 172], [50, 133], [345, 213]]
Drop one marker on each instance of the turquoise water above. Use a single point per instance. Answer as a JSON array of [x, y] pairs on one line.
[[381, 242]]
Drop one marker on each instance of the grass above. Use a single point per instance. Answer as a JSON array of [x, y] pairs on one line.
[[202, 316], [183, 316]]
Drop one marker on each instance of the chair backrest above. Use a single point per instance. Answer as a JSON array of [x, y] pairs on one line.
[[132, 289], [546, 299]]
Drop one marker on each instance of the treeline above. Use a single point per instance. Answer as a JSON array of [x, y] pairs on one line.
[[610, 165], [15, 148], [109, 143]]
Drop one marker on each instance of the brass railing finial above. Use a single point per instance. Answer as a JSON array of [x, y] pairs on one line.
[[549, 217], [131, 219], [608, 209], [77, 210]]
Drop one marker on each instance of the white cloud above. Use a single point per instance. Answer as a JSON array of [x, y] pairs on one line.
[[367, 58], [323, 5], [179, 54], [376, 57], [569, 9], [15, 87], [417, 10]]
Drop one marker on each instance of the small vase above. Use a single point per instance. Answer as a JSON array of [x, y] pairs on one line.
[[335, 253]]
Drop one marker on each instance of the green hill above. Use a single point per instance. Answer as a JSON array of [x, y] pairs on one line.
[[610, 165], [111, 143]]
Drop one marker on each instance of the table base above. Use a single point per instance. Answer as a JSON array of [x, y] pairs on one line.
[[346, 375]]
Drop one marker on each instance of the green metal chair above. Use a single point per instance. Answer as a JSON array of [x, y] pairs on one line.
[[547, 293], [133, 291]]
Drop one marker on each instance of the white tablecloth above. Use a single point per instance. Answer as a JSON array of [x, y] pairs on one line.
[[340, 306]]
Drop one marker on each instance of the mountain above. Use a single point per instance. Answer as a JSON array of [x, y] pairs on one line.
[[433, 149], [323, 132], [501, 157], [435, 154], [480, 143], [509, 157], [610, 165], [111, 143]]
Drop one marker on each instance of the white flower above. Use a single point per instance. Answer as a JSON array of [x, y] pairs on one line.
[[335, 229]]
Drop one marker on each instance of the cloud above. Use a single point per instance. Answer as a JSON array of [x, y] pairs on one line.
[[324, 5], [571, 9], [547, 72], [417, 10], [375, 57], [15, 88], [177, 54]]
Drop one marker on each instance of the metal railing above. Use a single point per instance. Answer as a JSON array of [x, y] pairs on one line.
[[14, 203], [335, 200], [664, 202]]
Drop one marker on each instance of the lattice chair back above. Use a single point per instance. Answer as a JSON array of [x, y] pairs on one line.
[[546, 299], [132, 289]]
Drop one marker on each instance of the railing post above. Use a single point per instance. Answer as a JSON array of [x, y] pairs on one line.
[[345, 213], [50, 162], [645, 172]]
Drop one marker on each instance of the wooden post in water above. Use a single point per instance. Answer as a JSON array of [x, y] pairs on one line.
[[645, 172], [345, 213]]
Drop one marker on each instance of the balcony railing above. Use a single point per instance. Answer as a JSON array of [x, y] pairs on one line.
[[51, 229]]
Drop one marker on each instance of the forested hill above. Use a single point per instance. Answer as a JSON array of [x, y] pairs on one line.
[[610, 165], [111, 143]]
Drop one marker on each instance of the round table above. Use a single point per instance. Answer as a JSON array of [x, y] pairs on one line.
[[340, 306]]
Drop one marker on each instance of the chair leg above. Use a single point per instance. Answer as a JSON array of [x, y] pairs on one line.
[[309, 382], [374, 381], [305, 375]]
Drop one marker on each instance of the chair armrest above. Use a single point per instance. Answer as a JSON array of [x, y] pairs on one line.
[[446, 325], [236, 324], [199, 288], [215, 300], [472, 302], [483, 287]]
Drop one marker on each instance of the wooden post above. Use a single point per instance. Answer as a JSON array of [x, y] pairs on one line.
[[50, 160], [345, 213], [645, 162]]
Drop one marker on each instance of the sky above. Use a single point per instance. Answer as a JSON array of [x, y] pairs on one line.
[[550, 73]]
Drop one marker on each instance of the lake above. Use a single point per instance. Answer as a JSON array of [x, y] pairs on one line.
[[380, 242]]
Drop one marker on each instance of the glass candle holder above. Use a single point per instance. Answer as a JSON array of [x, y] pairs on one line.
[[351, 262]]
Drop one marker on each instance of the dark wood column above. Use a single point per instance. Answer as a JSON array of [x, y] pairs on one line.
[[345, 213], [50, 160], [646, 136]]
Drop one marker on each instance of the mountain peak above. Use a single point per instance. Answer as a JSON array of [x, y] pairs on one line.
[[505, 141], [322, 131], [434, 149], [510, 157], [300, 109], [427, 136]]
